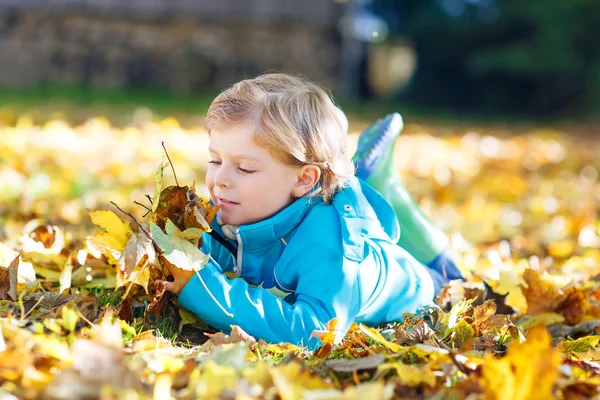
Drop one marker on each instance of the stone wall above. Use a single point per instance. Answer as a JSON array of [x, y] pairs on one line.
[[186, 51]]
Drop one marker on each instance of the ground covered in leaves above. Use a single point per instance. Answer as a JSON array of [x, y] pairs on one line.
[[80, 316]]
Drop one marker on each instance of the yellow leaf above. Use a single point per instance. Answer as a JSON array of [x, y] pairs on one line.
[[528, 371], [213, 379], [562, 248], [141, 276], [367, 390], [527, 322], [509, 283], [541, 294], [411, 375], [116, 231], [580, 345], [376, 336], [292, 380], [65, 276], [158, 177], [461, 333]]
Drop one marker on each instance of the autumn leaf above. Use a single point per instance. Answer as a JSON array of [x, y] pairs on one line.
[[171, 205], [114, 233], [8, 280], [376, 336], [178, 251], [236, 335], [158, 178], [542, 295], [461, 333], [413, 334], [486, 320], [528, 370], [65, 276]]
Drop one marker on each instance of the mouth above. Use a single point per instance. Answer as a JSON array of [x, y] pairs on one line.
[[225, 202]]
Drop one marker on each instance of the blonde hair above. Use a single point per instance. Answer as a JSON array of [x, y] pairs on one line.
[[294, 119]]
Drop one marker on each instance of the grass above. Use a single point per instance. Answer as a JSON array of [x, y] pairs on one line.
[[79, 103]]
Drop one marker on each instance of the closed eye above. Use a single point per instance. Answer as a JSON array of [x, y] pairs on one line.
[[215, 162], [246, 171]]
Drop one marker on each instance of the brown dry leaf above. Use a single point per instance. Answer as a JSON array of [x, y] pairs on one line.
[[159, 301], [236, 335], [528, 371], [172, 203], [416, 333], [576, 307], [486, 320], [46, 302], [8, 280], [199, 213], [87, 305], [137, 252], [542, 295]]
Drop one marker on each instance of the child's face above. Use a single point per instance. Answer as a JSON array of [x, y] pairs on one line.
[[245, 179]]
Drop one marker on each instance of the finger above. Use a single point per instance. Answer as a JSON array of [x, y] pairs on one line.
[[171, 286]]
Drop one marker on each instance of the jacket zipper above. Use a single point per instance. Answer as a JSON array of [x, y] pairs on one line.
[[240, 249]]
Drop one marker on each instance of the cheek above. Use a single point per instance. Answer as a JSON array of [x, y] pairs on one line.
[[210, 183]]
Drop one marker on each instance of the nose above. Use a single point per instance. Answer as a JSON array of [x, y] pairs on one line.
[[222, 178]]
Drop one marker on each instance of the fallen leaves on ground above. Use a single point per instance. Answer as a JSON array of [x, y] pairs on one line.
[[81, 317]]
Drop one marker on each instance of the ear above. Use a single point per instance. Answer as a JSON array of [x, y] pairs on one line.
[[308, 176]]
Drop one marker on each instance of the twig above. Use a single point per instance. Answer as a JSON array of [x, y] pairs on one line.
[[84, 318], [143, 205], [172, 167], [131, 281], [133, 218], [358, 341], [33, 308]]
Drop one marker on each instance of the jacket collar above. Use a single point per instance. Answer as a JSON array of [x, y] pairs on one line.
[[265, 233]]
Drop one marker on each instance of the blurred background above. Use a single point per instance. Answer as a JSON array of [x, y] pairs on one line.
[[499, 97], [534, 58]]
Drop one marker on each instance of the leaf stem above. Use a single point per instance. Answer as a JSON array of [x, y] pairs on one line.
[[133, 218], [143, 205], [33, 308], [172, 167]]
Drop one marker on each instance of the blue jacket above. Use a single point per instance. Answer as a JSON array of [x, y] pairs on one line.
[[308, 264]]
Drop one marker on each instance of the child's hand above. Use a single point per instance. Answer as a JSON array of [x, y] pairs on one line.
[[180, 279]]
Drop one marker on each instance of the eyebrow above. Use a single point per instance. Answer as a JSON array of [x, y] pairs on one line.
[[237, 156]]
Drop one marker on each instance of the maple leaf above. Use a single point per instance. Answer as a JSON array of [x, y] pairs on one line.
[[171, 206], [576, 307], [8, 280], [413, 334], [542, 295], [114, 235], [236, 335], [133, 264], [528, 370], [178, 251], [486, 320]]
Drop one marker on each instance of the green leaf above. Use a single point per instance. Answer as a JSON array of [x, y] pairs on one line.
[[178, 251], [158, 177], [376, 336], [580, 345], [450, 319], [69, 318], [462, 332]]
